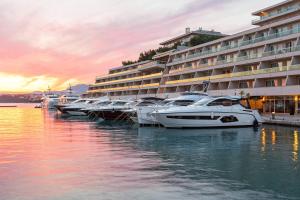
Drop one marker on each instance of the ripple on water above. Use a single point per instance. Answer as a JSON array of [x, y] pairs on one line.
[[44, 156]]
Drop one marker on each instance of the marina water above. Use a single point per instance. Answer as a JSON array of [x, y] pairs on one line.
[[45, 156]]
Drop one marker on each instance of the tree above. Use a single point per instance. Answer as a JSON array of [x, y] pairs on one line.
[[128, 62], [148, 55], [201, 39]]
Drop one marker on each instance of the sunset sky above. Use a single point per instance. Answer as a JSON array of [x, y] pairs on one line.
[[53, 43]]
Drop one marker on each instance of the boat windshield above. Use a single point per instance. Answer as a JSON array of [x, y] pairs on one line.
[[105, 103], [80, 101], [183, 102], [202, 102], [146, 103], [119, 103], [164, 102]]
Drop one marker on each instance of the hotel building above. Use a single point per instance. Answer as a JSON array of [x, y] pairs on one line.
[[262, 63]]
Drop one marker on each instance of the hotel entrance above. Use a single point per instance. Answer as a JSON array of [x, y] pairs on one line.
[[281, 104]]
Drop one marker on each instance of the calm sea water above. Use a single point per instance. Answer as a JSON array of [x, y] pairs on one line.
[[43, 156]]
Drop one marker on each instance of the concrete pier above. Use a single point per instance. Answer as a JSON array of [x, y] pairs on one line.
[[282, 119]]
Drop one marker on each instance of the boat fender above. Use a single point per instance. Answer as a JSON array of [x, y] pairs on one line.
[[255, 123], [212, 115]]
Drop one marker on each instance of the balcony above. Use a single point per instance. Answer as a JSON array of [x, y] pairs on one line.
[[131, 79], [225, 61], [243, 43], [277, 13], [271, 36], [150, 65], [281, 51], [237, 74], [145, 86], [118, 73], [229, 47], [188, 68], [149, 85]]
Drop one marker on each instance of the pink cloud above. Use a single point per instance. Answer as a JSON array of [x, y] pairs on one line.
[[32, 46]]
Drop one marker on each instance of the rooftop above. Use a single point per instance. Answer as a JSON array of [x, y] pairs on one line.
[[189, 33], [261, 12], [128, 66]]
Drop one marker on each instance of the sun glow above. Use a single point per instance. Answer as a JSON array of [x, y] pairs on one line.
[[19, 84]]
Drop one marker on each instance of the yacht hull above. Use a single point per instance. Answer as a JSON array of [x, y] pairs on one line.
[[112, 115], [73, 111], [206, 119], [145, 117]]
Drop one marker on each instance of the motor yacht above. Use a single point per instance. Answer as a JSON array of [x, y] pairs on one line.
[[75, 107], [145, 109], [143, 102], [210, 112], [114, 110], [99, 103], [66, 100], [49, 101]]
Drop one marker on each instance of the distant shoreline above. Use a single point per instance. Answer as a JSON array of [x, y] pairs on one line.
[[11, 102]]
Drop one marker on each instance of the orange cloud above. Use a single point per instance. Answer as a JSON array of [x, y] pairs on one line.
[[22, 84]]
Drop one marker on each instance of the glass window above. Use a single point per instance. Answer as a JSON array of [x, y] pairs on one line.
[[270, 83], [183, 102], [220, 102], [202, 102]]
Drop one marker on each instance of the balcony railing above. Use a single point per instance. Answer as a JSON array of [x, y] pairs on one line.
[[281, 51], [229, 47], [243, 58], [130, 79], [271, 36], [150, 85], [277, 13], [150, 64], [237, 74], [125, 88], [118, 73], [188, 68], [221, 62], [243, 43]]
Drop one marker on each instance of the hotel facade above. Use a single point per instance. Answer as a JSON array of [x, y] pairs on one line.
[[262, 63]]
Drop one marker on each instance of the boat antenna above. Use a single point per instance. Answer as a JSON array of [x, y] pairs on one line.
[[70, 88], [49, 89]]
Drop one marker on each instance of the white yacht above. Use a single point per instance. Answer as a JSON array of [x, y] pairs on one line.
[[114, 110], [75, 107], [210, 112], [145, 110], [90, 109], [68, 98], [49, 101], [144, 102]]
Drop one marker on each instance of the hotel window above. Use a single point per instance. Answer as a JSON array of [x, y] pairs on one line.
[[243, 84], [288, 45], [284, 63], [270, 83], [271, 48], [274, 65]]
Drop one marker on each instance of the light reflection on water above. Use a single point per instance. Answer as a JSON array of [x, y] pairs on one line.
[[43, 156]]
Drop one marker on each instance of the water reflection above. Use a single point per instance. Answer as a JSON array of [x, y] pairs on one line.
[[45, 156], [263, 140], [295, 146]]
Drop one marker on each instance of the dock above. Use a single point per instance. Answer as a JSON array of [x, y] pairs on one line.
[[282, 120]]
